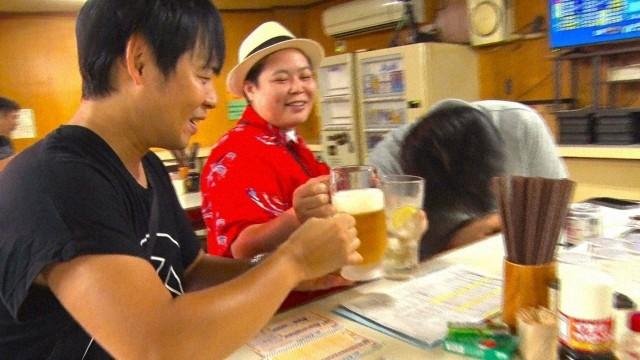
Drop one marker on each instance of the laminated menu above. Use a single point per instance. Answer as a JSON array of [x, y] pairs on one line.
[[310, 336], [418, 310]]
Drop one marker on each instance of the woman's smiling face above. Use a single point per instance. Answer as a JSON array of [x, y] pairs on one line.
[[285, 89]]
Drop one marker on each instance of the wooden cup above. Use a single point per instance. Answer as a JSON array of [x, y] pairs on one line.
[[525, 286]]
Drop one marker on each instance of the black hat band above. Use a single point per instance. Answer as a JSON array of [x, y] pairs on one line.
[[272, 41]]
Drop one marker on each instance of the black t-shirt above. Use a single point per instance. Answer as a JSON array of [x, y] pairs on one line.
[[70, 195]]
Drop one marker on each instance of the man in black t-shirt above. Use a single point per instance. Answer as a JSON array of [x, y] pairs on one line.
[[8, 122], [97, 259]]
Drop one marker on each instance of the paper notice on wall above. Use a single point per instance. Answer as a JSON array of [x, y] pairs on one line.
[[338, 77], [235, 108], [26, 127], [338, 113]]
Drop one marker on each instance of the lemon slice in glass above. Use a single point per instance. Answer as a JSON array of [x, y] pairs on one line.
[[400, 216]]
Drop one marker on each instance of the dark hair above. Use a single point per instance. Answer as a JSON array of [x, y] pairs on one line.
[[457, 150], [7, 105], [172, 27], [256, 70]]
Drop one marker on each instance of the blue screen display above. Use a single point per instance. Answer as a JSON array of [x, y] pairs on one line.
[[587, 22]]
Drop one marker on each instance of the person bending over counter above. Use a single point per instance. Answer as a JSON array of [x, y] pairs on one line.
[[458, 147], [97, 258], [8, 122], [260, 180]]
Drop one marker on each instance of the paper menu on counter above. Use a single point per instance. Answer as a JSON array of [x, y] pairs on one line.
[[421, 307], [310, 336]]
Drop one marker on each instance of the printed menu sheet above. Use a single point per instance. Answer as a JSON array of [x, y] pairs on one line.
[[310, 336], [421, 307]]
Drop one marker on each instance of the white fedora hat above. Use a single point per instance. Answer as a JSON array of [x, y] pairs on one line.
[[265, 40]]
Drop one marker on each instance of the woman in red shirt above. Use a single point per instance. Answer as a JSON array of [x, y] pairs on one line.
[[261, 170]]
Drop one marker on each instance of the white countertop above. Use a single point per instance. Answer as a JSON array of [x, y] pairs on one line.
[[190, 200], [486, 255]]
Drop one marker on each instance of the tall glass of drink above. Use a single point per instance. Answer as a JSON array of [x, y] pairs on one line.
[[356, 190], [403, 196]]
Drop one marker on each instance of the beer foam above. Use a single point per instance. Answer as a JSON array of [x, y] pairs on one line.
[[358, 201]]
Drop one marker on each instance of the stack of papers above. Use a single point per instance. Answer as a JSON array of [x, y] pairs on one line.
[[418, 310]]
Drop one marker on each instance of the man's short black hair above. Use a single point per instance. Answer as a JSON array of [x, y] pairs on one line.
[[457, 150], [7, 105], [172, 27]]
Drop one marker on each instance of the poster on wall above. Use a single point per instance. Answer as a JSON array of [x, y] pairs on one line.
[[235, 108], [26, 127]]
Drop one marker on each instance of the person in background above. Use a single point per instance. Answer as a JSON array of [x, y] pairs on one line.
[[8, 122], [458, 147], [260, 179], [97, 258]]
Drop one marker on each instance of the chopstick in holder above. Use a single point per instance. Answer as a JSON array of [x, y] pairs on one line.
[[533, 212], [565, 191], [518, 213], [547, 194], [551, 211], [533, 194], [561, 191]]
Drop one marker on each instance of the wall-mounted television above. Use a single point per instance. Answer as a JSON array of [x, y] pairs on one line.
[[574, 23]]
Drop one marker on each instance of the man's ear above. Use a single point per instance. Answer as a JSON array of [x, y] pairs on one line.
[[137, 55]]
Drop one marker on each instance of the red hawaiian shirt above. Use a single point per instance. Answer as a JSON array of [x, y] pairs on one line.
[[249, 178]]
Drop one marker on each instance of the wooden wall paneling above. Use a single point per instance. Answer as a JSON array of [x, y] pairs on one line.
[[520, 69], [39, 63], [38, 68]]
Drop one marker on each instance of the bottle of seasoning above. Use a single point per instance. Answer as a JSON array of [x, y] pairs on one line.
[[585, 315], [629, 348], [584, 221], [622, 307], [192, 182]]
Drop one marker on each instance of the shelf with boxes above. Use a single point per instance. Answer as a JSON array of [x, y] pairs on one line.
[[600, 143], [601, 126]]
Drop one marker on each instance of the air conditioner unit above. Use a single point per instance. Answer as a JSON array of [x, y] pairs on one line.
[[360, 16]]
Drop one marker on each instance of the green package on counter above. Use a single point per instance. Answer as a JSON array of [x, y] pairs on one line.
[[487, 328], [479, 346]]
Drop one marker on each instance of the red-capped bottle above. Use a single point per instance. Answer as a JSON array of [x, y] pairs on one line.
[[629, 348], [566, 353], [585, 315]]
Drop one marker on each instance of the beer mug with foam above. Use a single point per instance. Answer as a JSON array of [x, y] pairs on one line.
[[356, 190]]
